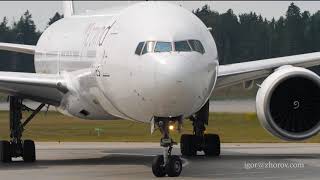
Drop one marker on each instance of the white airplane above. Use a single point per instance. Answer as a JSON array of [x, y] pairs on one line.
[[157, 63]]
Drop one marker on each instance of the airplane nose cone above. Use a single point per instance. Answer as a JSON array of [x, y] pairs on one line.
[[183, 83]]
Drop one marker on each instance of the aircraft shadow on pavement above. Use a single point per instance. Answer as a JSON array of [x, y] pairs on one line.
[[199, 166], [105, 160]]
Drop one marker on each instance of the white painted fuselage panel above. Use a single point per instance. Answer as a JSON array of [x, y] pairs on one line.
[[123, 84]]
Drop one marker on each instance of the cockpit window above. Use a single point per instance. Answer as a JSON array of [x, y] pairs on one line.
[[148, 47], [139, 48], [163, 47], [182, 46], [196, 46]]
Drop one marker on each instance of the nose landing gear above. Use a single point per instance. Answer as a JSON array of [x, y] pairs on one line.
[[166, 163]]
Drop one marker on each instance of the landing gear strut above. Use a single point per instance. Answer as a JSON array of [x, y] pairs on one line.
[[166, 163], [199, 141], [17, 147]]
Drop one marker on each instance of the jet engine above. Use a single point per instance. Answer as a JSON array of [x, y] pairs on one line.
[[288, 103]]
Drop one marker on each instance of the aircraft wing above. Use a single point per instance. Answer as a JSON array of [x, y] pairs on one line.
[[45, 88], [21, 48], [232, 74]]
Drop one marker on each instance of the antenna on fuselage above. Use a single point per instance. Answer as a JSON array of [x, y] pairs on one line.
[[68, 10]]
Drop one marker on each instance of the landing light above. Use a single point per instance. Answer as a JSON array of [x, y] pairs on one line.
[[171, 127]]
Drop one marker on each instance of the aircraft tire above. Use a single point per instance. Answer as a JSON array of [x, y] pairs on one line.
[[187, 147], [157, 166], [212, 145], [174, 166], [5, 155], [29, 152]]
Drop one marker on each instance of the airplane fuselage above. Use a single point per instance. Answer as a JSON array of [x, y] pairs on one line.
[[97, 54]]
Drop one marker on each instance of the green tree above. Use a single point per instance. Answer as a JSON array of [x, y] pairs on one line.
[[307, 38], [5, 36], [294, 30], [4, 30], [250, 36], [25, 33], [55, 18], [314, 31], [25, 30]]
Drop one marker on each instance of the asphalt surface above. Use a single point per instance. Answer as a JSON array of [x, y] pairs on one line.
[[95, 161]]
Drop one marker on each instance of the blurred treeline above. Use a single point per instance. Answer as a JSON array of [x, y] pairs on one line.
[[23, 31], [250, 36], [239, 38]]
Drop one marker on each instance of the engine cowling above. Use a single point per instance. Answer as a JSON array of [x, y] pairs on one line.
[[288, 103]]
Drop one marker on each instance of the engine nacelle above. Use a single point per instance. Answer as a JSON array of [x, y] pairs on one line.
[[288, 103]]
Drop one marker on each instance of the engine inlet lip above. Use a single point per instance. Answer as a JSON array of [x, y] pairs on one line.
[[282, 133]]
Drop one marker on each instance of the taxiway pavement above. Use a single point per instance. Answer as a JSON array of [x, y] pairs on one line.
[[97, 161]]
